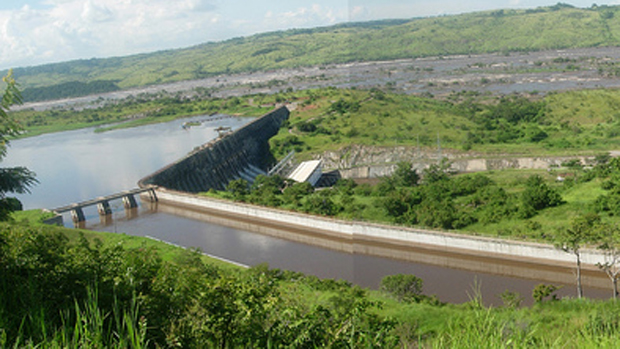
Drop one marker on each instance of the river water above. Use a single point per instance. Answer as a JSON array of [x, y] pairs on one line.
[[80, 165]]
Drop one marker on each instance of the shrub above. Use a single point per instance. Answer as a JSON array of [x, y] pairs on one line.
[[542, 291], [404, 287]]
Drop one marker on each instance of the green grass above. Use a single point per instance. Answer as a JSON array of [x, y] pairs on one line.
[[31, 216], [166, 251]]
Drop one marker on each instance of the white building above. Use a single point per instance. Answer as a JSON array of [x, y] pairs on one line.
[[307, 171]]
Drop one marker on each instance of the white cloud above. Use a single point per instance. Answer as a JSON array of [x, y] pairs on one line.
[[71, 29], [304, 17], [96, 13]]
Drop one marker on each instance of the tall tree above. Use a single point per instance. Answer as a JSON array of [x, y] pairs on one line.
[[15, 179], [610, 245], [583, 230]]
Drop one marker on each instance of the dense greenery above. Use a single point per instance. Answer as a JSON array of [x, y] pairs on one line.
[[66, 288], [553, 27], [334, 119], [57, 291], [68, 89], [518, 204]]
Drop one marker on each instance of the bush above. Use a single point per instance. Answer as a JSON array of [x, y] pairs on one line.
[[542, 291], [404, 287], [537, 196], [239, 188]]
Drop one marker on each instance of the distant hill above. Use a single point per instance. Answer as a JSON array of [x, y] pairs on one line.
[[558, 27]]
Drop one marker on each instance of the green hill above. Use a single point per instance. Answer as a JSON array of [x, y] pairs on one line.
[[557, 27]]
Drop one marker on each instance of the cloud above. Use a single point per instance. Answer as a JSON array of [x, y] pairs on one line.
[[94, 13], [314, 15], [70, 29]]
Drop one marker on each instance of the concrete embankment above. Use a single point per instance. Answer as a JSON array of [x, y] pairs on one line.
[[360, 237], [364, 161], [240, 154]]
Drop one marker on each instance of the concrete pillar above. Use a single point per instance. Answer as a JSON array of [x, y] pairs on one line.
[[152, 195], [104, 208], [129, 201], [78, 215]]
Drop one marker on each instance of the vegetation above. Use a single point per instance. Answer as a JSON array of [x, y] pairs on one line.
[[15, 179], [504, 31], [70, 288], [68, 89], [132, 112], [531, 205], [579, 122], [329, 119]]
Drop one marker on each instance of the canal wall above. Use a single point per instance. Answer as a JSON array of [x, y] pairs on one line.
[[361, 234], [243, 153]]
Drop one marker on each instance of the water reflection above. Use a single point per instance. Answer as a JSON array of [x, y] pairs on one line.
[[80, 165], [450, 277]]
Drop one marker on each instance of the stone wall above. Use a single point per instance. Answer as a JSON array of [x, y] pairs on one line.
[[360, 161], [240, 154]]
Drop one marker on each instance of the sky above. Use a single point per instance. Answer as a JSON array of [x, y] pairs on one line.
[[34, 32]]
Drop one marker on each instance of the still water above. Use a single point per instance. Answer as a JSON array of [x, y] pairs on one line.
[[80, 165]]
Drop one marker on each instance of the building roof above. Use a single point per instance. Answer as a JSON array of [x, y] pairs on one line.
[[304, 171]]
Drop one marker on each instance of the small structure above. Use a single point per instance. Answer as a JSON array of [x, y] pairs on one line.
[[307, 171]]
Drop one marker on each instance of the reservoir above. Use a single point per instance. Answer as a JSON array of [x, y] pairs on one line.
[[80, 165]]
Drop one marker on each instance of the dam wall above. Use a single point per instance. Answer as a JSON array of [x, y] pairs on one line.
[[243, 153], [359, 233]]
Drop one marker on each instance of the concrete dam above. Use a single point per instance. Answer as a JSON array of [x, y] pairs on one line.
[[243, 153]]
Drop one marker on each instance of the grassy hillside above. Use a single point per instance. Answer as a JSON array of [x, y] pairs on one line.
[[496, 31], [566, 123]]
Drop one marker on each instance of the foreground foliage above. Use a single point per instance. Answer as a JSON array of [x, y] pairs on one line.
[[58, 292], [64, 289]]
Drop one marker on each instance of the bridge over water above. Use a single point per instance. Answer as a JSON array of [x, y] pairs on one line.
[[103, 203]]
